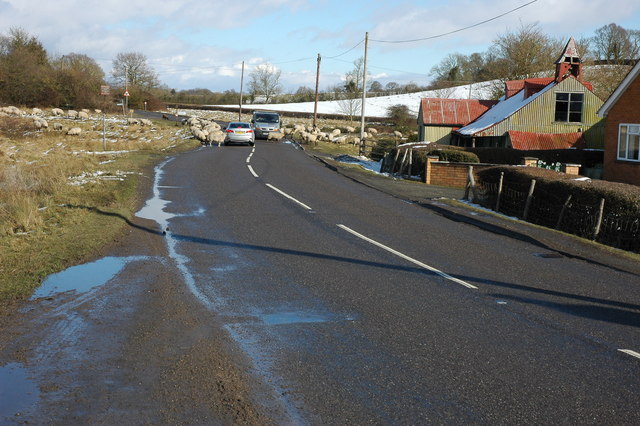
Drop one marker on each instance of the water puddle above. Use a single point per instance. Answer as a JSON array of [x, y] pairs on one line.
[[83, 278], [17, 392], [284, 318]]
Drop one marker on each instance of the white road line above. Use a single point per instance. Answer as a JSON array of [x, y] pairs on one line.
[[630, 352], [289, 197], [255, 175], [410, 259], [249, 157]]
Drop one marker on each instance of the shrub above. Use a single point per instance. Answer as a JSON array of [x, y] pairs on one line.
[[455, 156]]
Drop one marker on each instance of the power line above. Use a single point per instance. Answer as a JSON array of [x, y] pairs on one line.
[[458, 30]]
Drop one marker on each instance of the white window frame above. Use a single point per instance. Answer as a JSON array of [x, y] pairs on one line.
[[625, 143]]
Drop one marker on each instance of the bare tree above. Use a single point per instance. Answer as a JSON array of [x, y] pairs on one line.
[[616, 45], [351, 99], [133, 67], [265, 81]]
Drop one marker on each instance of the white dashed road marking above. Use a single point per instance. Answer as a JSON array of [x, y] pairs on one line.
[[410, 259]]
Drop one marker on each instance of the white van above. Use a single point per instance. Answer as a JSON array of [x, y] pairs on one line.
[[265, 122]]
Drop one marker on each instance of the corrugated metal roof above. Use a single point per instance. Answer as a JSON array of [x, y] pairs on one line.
[[514, 86], [453, 111], [528, 140]]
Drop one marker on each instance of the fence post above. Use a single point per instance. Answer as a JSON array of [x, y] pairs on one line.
[[499, 191], [395, 161], [410, 162], [471, 185], [596, 231], [529, 197], [564, 208], [404, 158]]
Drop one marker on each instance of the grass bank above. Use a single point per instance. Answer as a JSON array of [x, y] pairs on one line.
[[62, 197]]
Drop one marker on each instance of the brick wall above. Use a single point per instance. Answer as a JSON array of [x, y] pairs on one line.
[[625, 110], [444, 173]]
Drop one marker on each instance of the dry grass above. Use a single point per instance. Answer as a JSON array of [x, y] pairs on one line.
[[53, 193]]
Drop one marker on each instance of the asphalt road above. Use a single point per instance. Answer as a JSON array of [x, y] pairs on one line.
[[358, 307], [258, 286]]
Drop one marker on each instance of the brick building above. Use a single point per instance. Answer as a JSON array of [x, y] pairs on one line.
[[622, 131]]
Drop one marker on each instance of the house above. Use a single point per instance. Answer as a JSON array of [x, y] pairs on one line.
[[437, 117], [540, 113], [622, 131]]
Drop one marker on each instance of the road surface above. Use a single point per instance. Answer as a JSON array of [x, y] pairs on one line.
[[258, 285]]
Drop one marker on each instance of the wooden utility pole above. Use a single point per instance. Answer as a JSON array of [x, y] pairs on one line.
[[364, 93], [315, 105], [241, 83]]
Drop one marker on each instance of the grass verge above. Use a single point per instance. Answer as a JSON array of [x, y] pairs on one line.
[[62, 199]]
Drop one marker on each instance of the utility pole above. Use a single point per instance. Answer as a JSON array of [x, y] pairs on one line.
[[126, 91], [364, 92], [241, 83], [315, 105]]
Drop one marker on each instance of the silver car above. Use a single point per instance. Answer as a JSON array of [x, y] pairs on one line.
[[239, 132]]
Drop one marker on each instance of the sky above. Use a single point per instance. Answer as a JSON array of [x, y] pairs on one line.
[[202, 44]]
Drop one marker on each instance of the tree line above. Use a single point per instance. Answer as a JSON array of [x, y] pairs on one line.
[[529, 52], [30, 76]]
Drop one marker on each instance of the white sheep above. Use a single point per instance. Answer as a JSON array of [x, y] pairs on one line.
[[57, 126], [133, 121], [40, 123], [335, 133], [397, 134], [275, 136], [146, 122], [11, 110], [74, 131], [57, 112], [36, 111], [97, 111], [83, 115], [72, 113], [372, 131], [350, 129]]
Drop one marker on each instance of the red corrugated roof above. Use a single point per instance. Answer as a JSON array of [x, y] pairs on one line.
[[453, 111], [532, 86], [529, 140], [514, 86]]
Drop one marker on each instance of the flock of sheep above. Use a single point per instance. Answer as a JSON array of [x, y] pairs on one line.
[[209, 132], [41, 123]]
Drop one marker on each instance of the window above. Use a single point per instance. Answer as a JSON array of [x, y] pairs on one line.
[[569, 107], [629, 142]]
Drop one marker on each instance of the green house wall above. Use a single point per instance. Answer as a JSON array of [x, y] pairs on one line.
[[539, 116]]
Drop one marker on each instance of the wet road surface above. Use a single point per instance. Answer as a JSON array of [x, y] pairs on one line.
[[351, 306]]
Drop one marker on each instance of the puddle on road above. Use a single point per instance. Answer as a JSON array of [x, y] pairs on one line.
[[83, 278], [284, 318], [17, 392]]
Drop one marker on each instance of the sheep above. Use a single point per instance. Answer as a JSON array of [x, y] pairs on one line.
[[11, 110], [215, 137], [341, 140], [275, 136], [97, 111], [397, 134], [40, 123], [350, 129], [133, 121], [57, 112], [72, 114], [372, 131], [146, 122], [83, 115], [335, 133], [74, 131], [57, 126], [36, 111]]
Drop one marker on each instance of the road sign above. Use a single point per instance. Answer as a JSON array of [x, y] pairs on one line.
[[126, 93], [105, 90]]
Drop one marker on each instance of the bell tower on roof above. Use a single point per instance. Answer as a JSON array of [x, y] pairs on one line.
[[569, 63]]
